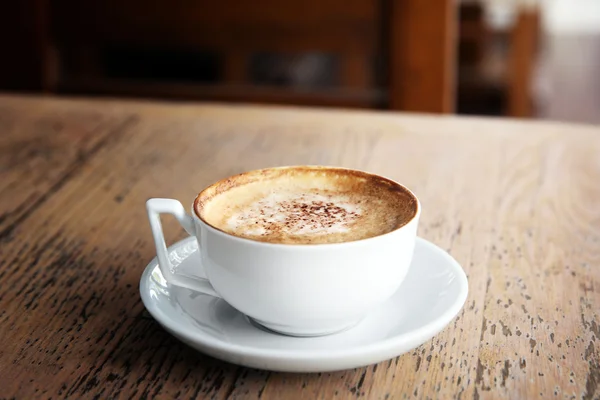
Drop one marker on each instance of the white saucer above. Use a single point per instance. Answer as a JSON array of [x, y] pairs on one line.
[[433, 293]]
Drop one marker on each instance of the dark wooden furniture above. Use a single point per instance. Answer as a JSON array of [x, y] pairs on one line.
[[379, 53]]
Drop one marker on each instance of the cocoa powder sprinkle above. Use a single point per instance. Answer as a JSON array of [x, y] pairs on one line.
[[304, 214]]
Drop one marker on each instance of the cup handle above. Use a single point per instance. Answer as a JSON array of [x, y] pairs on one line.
[[155, 207]]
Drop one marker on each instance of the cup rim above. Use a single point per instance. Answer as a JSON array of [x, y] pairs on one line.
[[215, 229]]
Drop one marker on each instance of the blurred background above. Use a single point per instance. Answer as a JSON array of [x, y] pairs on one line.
[[516, 58]]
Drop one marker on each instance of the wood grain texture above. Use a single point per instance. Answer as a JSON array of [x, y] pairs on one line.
[[516, 203]]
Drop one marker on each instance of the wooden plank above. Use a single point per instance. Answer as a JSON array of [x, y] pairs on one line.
[[522, 62], [422, 52], [40, 150], [516, 207]]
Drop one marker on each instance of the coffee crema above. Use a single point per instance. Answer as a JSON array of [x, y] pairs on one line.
[[306, 205]]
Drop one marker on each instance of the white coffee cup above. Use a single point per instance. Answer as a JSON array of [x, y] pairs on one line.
[[294, 289]]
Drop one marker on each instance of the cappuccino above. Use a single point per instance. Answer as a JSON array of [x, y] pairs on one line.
[[306, 205]]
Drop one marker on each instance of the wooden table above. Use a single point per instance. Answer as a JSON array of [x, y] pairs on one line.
[[516, 203]]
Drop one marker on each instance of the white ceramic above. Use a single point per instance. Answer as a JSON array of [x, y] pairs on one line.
[[432, 294], [300, 290]]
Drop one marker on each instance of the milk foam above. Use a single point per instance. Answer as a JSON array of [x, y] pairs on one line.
[[305, 205], [293, 213]]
